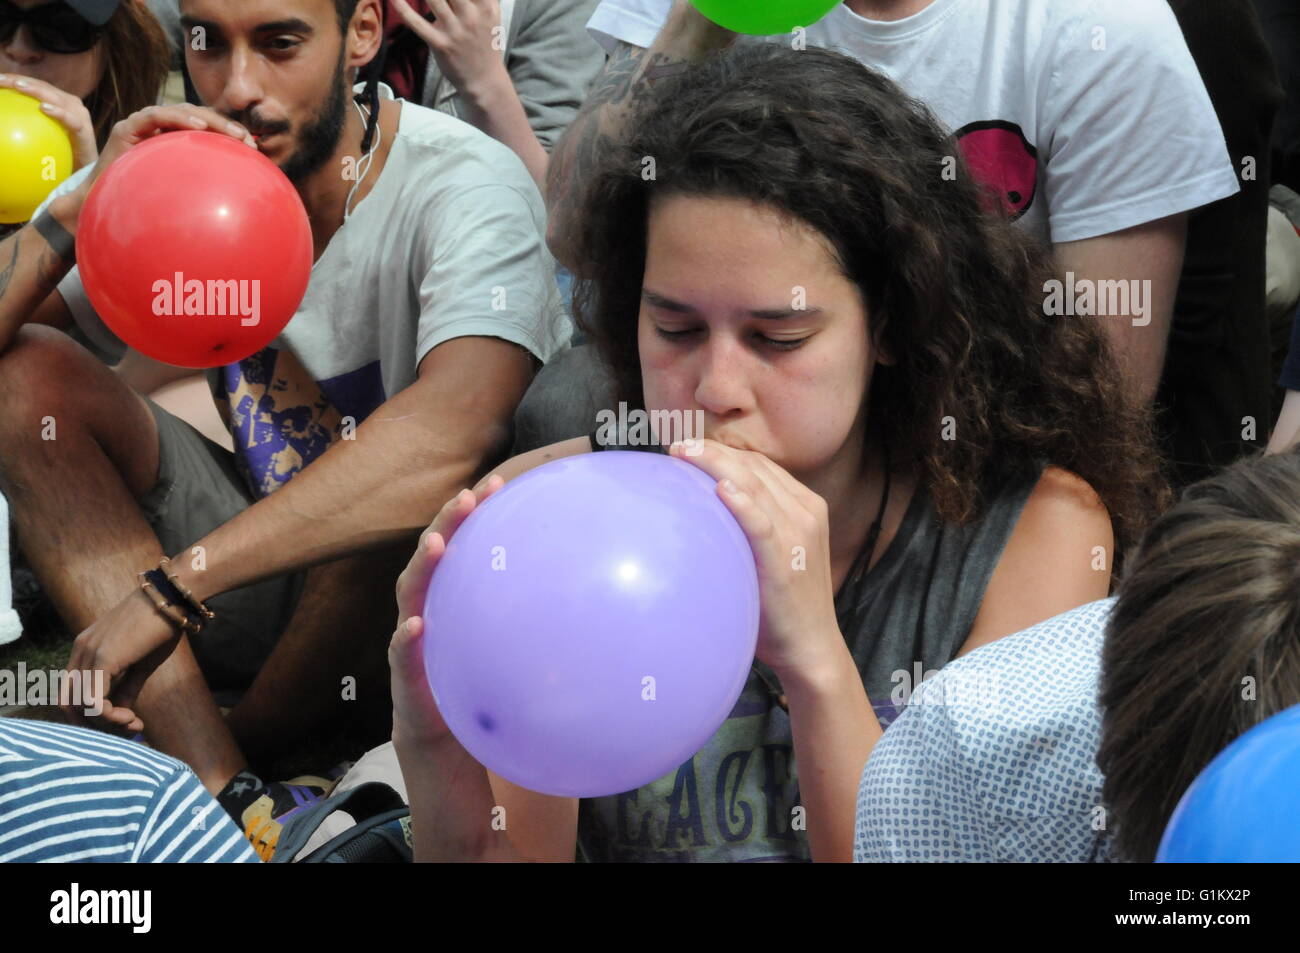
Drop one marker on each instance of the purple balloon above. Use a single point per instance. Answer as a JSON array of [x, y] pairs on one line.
[[592, 624]]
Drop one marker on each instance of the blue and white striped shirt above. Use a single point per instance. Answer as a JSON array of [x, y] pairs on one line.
[[70, 794]]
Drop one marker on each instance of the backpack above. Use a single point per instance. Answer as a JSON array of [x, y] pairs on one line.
[[381, 835]]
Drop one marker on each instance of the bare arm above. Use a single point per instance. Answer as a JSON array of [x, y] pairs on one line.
[[1149, 260], [29, 271], [495, 108], [1287, 431], [420, 446], [1059, 556], [629, 74], [834, 729]]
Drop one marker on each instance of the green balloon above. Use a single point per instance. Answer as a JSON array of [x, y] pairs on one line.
[[764, 17]]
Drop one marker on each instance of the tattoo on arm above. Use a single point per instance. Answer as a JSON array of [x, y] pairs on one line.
[[52, 268], [663, 65], [8, 273], [624, 78], [626, 81], [49, 269], [625, 84], [616, 79]]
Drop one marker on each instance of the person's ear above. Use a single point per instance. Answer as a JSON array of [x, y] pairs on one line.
[[884, 354], [364, 34]]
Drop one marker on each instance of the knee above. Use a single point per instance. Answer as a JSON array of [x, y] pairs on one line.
[[39, 376]]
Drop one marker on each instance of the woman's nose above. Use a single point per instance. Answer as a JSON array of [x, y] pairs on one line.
[[722, 386], [20, 47]]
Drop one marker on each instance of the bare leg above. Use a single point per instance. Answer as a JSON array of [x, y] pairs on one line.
[[339, 632], [74, 506]]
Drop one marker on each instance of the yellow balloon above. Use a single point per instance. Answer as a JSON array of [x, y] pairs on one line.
[[35, 156]]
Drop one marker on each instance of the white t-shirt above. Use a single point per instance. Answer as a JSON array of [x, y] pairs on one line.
[[450, 242], [1088, 115]]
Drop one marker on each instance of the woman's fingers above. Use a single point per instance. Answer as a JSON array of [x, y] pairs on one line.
[[414, 580], [753, 519], [769, 505], [487, 486], [741, 467], [35, 88], [415, 712], [404, 648], [413, 583]]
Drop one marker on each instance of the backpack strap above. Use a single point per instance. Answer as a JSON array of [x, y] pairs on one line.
[[381, 839]]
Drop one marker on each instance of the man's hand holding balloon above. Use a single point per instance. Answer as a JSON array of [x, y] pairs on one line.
[[152, 121]]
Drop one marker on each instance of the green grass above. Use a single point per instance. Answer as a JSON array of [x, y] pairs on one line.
[[53, 655]]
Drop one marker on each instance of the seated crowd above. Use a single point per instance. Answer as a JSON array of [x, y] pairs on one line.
[[878, 256]]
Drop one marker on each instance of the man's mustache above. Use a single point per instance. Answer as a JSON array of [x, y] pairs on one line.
[[257, 126]]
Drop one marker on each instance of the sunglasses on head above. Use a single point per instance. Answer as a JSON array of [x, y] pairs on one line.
[[54, 27]]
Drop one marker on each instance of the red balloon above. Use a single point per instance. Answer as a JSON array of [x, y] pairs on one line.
[[194, 249]]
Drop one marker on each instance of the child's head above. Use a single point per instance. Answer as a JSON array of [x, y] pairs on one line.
[[808, 260], [1203, 643]]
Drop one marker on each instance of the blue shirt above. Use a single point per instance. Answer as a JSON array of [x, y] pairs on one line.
[[69, 794], [993, 759]]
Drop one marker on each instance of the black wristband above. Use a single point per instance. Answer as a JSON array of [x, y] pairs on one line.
[[60, 239], [173, 595]]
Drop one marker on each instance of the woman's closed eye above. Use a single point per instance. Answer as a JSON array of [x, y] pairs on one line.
[[780, 344]]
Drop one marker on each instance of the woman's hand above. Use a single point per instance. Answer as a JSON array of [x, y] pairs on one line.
[[461, 40], [65, 109], [788, 530], [416, 719]]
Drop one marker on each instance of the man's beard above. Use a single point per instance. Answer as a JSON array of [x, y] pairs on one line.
[[319, 137]]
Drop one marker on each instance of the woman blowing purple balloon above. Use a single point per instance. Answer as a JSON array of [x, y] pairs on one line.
[[921, 460]]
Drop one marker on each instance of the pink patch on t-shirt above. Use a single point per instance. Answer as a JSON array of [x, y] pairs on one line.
[[1001, 159]]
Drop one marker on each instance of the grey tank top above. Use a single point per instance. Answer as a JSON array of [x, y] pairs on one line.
[[737, 798]]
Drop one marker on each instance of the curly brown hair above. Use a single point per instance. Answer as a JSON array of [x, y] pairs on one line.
[[954, 289], [137, 60]]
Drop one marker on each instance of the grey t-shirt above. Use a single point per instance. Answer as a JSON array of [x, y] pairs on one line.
[[735, 799], [450, 242], [551, 60]]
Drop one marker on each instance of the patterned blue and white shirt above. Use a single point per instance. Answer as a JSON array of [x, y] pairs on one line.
[[993, 759], [69, 794]]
